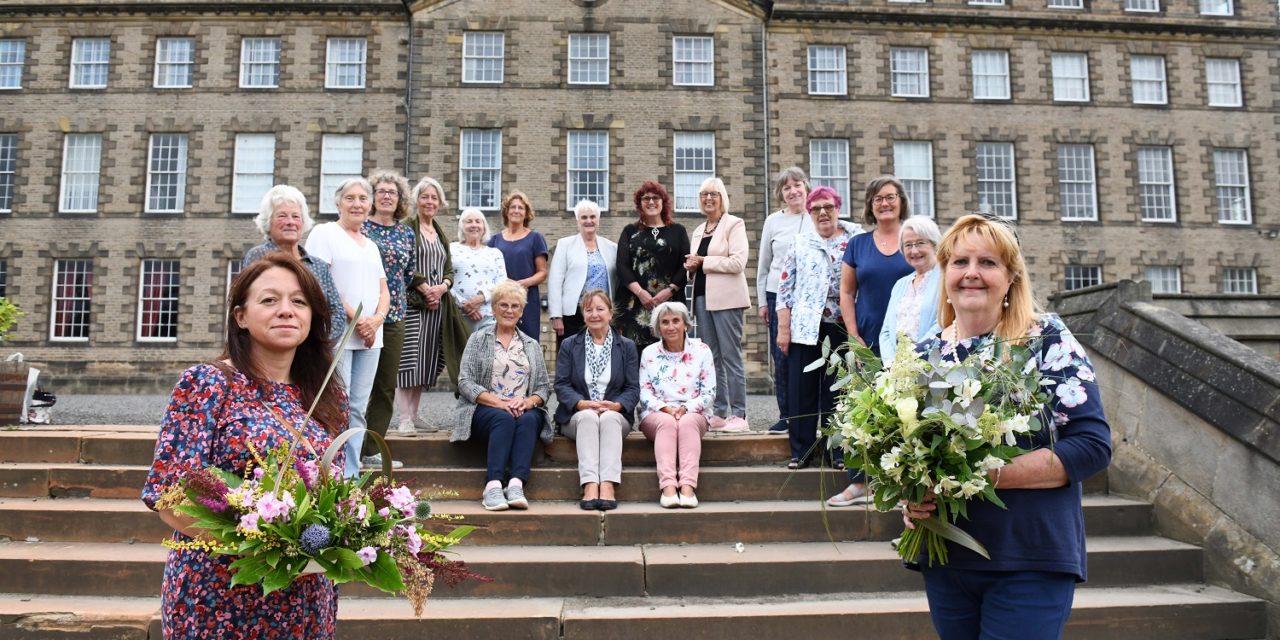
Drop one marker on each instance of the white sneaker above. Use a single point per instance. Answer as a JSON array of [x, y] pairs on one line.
[[375, 462], [406, 428]]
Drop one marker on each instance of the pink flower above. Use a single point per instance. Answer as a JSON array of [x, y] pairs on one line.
[[249, 522], [258, 473], [368, 555], [385, 512], [412, 541], [402, 498], [271, 508]]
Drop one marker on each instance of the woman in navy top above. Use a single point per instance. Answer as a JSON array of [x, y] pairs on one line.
[[525, 252], [1037, 545]]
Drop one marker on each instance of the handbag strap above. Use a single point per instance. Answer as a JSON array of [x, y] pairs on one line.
[[293, 430]]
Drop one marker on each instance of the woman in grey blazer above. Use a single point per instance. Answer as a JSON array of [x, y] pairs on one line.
[[502, 398], [598, 386], [581, 262]]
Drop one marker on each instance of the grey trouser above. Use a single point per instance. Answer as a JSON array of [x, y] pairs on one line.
[[599, 439], [722, 331]]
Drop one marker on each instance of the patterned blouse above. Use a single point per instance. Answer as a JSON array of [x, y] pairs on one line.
[[673, 379], [597, 273], [395, 243], [477, 271], [810, 281], [510, 369]]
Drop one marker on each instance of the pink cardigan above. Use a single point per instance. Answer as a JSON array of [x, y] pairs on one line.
[[725, 265]]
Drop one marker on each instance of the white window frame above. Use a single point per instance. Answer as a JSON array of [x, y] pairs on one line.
[[158, 312], [61, 309], [982, 151], [166, 171], [8, 170], [1142, 6], [234, 267], [344, 63], [478, 47], [919, 59], [1240, 280], [1224, 90], [986, 3], [1217, 8], [827, 73], [1231, 184], [1144, 84], [172, 66], [688, 67], [341, 158], [1164, 279], [76, 168], [1081, 276], [829, 166], [1068, 85], [258, 68], [585, 58], [587, 168], [13, 58], [480, 151], [990, 71], [1156, 184], [1065, 4], [692, 165], [1077, 183], [90, 63], [253, 170], [913, 165]]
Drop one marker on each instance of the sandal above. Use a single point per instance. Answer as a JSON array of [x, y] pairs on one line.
[[853, 494], [793, 464]]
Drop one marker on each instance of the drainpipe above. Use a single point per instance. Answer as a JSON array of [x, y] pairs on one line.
[[764, 98], [408, 95]]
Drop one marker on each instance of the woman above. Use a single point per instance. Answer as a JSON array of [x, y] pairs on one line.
[[913, 305], [808, 314], [478, 268], [524, 252], [677, 389], [650, 265], [718, 266], [1037, 542], [283, 218], [395, 241], [277, 353], [502, 398], [362, 284], [791, 187], [597, 388], [582, 262], [872, 263], [434, 333]]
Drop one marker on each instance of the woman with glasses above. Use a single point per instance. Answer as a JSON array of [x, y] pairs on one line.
[[718, 265], [872, 263], [650, 265], [913, 305]]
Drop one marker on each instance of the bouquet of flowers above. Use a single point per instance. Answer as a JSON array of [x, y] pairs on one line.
[[929, 427]]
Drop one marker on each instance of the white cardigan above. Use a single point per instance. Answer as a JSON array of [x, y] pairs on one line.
[[569, 272]]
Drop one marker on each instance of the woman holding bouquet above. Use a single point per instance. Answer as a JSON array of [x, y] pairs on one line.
[[1037, 545], [273, 368]]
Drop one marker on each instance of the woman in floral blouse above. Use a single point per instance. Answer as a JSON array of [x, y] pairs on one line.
[[478, 268], [650, 264], [677, 390], [809, 313], [1037, 544]]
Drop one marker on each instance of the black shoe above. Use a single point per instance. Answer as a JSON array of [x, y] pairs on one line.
[[779, 427], [589, 505], [607, 505]]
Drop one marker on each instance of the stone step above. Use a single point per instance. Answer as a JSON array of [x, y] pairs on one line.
[[1164, 612], [563, 523], [120, 569]]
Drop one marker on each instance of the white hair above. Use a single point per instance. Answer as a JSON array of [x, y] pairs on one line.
[[275, 197], [462, 237]]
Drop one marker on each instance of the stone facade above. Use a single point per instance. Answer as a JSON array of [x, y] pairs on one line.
[[417, 104]]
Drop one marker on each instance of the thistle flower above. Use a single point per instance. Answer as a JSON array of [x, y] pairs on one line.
[[314, 538], [422, 510]]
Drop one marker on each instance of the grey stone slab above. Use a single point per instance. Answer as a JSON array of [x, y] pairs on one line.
[[1244, 487], [1181, 441]]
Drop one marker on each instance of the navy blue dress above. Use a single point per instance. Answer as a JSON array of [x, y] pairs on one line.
[[877, 273], [521, 258]]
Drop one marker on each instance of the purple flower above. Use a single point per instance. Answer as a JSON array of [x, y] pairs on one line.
[[207, 489], [213, 504], [258, 472], [249, 522], [307, 471], [314, 538], [384, 512], [368, 554], [402, 498], [271, 508]]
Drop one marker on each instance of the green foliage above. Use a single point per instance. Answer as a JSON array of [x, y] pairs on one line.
[[9, 314]]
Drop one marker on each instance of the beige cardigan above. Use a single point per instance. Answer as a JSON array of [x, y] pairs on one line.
[[725, 264]]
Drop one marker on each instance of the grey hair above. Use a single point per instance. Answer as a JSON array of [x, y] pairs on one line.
[[717, 185], [428, 181], [509, 289], [587, 205], [276, 196], [790, 173], [666, 308], [924, 227], [462, 237], [347, 184]]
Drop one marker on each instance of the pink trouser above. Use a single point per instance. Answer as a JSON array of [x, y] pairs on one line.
[[677, 446]]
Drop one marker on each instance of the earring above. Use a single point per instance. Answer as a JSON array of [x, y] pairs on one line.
[[1006, 301], [948, 300]]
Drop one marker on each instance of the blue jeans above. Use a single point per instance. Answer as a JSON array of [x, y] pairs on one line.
[[779, 359], [510, 441], [357, 366], [998, 605]]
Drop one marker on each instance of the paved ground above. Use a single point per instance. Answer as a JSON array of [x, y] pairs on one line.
[[437, 408]]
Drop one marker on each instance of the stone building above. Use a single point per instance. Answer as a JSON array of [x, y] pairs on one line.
[[1126, 139]]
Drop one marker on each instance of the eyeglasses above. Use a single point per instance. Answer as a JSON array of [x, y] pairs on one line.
[[709, 195], [920, 244], [651, 198], [823, 208], [382, 193], [891, 198], [509, 306]]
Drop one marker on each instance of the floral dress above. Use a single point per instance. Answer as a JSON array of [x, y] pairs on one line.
[[653, 257], [212, 421], [399, 261]]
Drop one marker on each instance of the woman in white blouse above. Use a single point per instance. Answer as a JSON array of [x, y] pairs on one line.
[[477, 268], [913, 305]]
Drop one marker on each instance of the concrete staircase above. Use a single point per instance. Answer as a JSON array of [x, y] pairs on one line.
[[81, 556]]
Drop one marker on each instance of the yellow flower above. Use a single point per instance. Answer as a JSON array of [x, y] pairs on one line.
[[907, 408]]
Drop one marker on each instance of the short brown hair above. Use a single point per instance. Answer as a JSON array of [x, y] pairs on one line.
[[506, 204]]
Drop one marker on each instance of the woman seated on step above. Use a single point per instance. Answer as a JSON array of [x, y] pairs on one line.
[[597, 388], [502, 398], [677, 390]]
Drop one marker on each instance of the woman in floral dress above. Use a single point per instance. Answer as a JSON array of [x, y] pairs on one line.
[[220, 413], [650, 266]]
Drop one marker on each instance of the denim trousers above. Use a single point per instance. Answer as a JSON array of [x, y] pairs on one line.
[[510, 441], [998, 605], [357, 368], [780, 380]]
